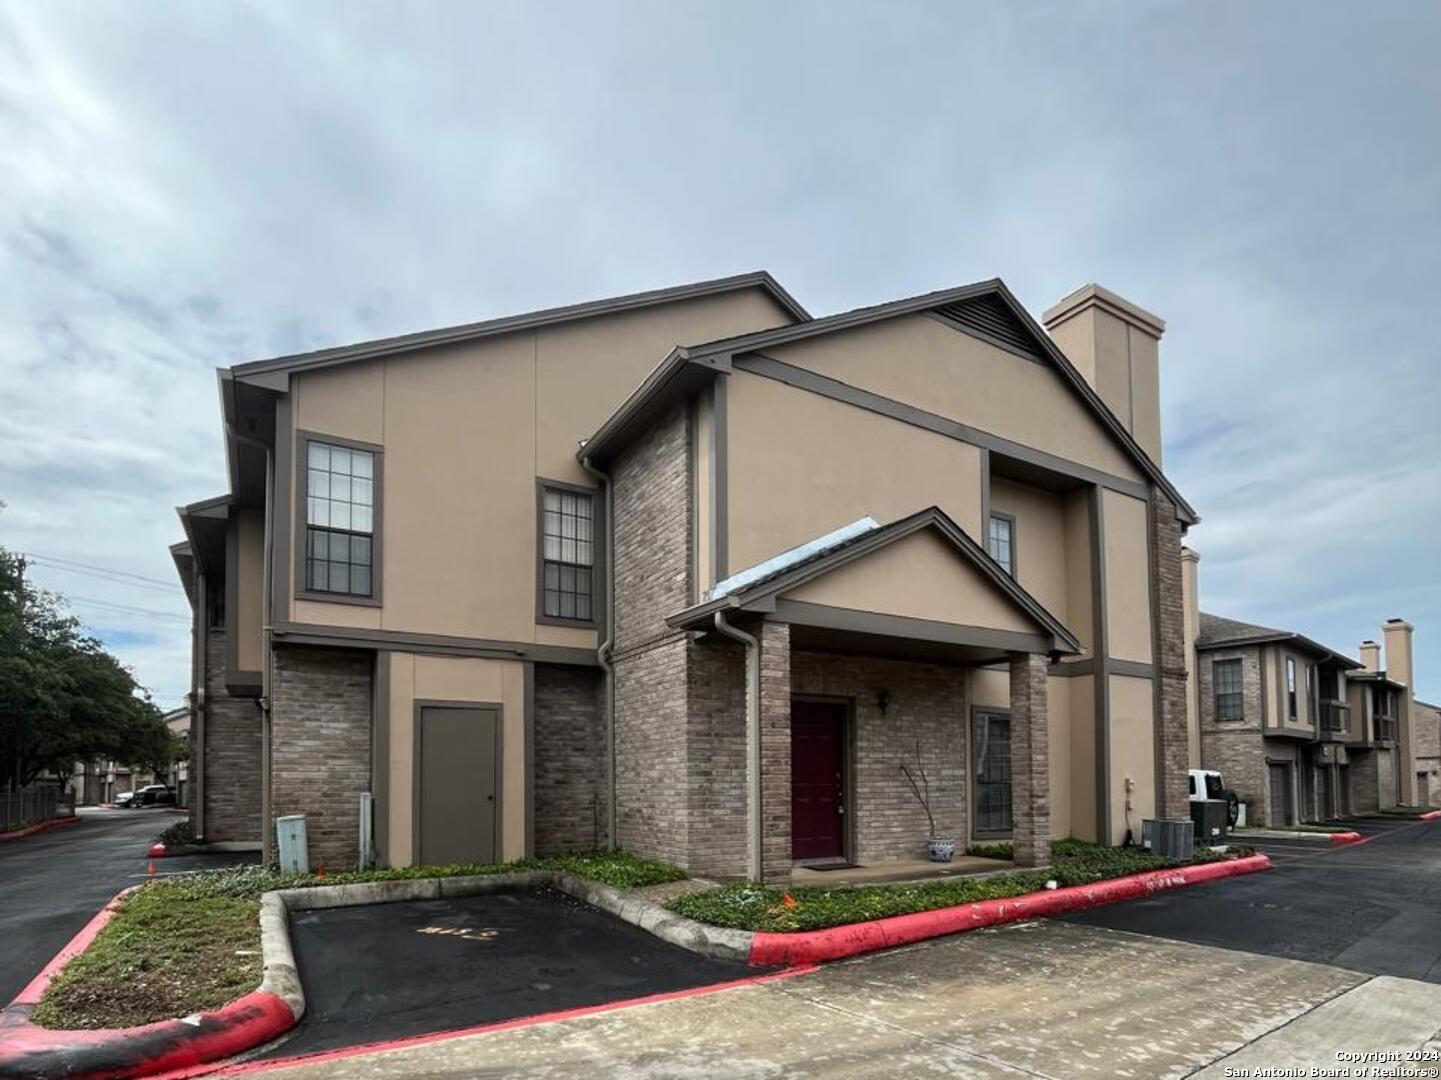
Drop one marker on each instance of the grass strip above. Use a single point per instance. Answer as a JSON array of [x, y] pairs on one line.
[[749, 906], [189, 943]]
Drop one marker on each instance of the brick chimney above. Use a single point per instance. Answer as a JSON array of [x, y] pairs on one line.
[[1370, 655], [1116, 347]]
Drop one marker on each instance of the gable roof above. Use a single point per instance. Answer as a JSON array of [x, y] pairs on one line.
[[257, 370], [986, 310], [1218, 632], [759, 593]]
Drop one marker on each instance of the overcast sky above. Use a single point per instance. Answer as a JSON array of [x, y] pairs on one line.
[[190, 185]]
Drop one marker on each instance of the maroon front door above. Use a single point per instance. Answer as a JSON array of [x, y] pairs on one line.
[[818, 730]]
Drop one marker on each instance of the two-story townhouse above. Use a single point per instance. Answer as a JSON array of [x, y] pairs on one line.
[[802, 553], [1396, 737], [1272, 714]]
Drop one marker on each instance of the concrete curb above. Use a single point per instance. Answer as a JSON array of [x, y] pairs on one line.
[[39, 827], [820, 946], [274, 1007], [1346, 837]]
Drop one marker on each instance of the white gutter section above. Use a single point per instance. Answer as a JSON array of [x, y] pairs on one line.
[[753, 741], [808, 550]]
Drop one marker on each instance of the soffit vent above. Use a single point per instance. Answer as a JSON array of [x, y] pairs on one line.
[[989, 317]]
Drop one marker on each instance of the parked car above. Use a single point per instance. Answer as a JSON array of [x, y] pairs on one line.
[[1208, 784], [154, 795], [125, 799]]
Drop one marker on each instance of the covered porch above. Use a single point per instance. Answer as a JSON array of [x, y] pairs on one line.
[[864, 735]]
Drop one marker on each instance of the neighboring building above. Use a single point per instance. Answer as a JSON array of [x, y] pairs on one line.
[[1274, 719], [178, 721], [782, 563], [1299, 731]]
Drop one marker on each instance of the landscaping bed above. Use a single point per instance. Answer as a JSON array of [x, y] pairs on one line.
[[748, 906], [185, 944]]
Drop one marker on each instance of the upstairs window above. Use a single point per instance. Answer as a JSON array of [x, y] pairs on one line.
[[1001, 541], [567, 554], [1226, 676], [1291, 687], [339, 520]]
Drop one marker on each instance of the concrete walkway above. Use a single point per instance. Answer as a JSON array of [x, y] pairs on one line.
[[1042, 999]]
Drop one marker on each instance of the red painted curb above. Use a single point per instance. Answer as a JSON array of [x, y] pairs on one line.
[[1431, 815], [28, 1050], [819, 946], [382, 1046], [1346, 838], [44, 826]]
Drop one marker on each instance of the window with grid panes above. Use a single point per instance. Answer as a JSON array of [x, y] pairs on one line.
[[339, 519], [1226, 674], [567, 554]]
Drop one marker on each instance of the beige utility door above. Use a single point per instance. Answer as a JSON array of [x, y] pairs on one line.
[[457, 797]]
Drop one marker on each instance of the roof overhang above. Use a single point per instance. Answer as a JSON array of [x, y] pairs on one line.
[[869, 630], [205, 524], [184, 560], [267, 373], [1323, 654]]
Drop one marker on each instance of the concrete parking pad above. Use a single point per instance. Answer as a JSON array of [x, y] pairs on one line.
[[1041, 999], [386, 971], [1374, 907]]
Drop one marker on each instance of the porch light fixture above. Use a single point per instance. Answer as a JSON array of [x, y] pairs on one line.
[[883, 701]]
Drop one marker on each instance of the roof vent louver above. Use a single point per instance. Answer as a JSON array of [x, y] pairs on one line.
[[990, 318]]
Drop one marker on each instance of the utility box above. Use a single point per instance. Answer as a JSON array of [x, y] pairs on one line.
[[292, 845], [1169, 839], [1211, 820]]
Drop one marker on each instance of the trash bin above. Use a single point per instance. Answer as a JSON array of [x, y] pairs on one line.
[[291, 843]]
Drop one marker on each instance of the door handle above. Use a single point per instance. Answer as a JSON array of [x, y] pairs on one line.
[[490, 798]]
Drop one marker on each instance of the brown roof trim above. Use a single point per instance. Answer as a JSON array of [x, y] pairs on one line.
[[760, 594], [1280, 637], [366, 350], [617, 430]]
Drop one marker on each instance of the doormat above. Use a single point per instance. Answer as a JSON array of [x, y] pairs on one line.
[[836, 866]]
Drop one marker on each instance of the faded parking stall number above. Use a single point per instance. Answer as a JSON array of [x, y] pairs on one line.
[[483, 934]]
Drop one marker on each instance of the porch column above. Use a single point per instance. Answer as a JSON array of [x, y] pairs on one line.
[[1030, 761], [775, 749]]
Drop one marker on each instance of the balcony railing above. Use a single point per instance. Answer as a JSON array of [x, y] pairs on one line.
[[1333, 718], [1386, 728]]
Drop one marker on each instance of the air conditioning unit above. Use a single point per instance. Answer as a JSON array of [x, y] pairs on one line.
[[1169, 839]]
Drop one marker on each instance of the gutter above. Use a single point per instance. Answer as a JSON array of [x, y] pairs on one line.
[[602, 654], [753, 740]]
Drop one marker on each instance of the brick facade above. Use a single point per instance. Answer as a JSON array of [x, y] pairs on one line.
[[775, 724], [570, 764], [926, 707], [1169, 617], [1236, 748], [1031, 761], [232, 747], [716, 805], [320, 741]]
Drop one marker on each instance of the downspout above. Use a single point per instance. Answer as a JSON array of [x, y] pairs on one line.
[[753, 740], [602, 654]]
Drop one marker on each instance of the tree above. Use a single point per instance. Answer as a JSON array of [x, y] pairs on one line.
[[63, 697]]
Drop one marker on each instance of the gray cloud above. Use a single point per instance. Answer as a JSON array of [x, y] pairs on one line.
[[193, 185]]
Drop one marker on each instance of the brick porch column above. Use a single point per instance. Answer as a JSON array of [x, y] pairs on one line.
[[775, 734], [1030, 761]]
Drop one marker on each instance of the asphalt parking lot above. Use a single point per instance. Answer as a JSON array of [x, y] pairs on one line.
[[1373, 907], [53, 883], [389, 971]]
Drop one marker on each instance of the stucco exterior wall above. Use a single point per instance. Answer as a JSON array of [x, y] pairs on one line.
[[784, 490], [1042, 545], [249, 592], [415, 678], [466, 431], [1128, 580], [923, 362]]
